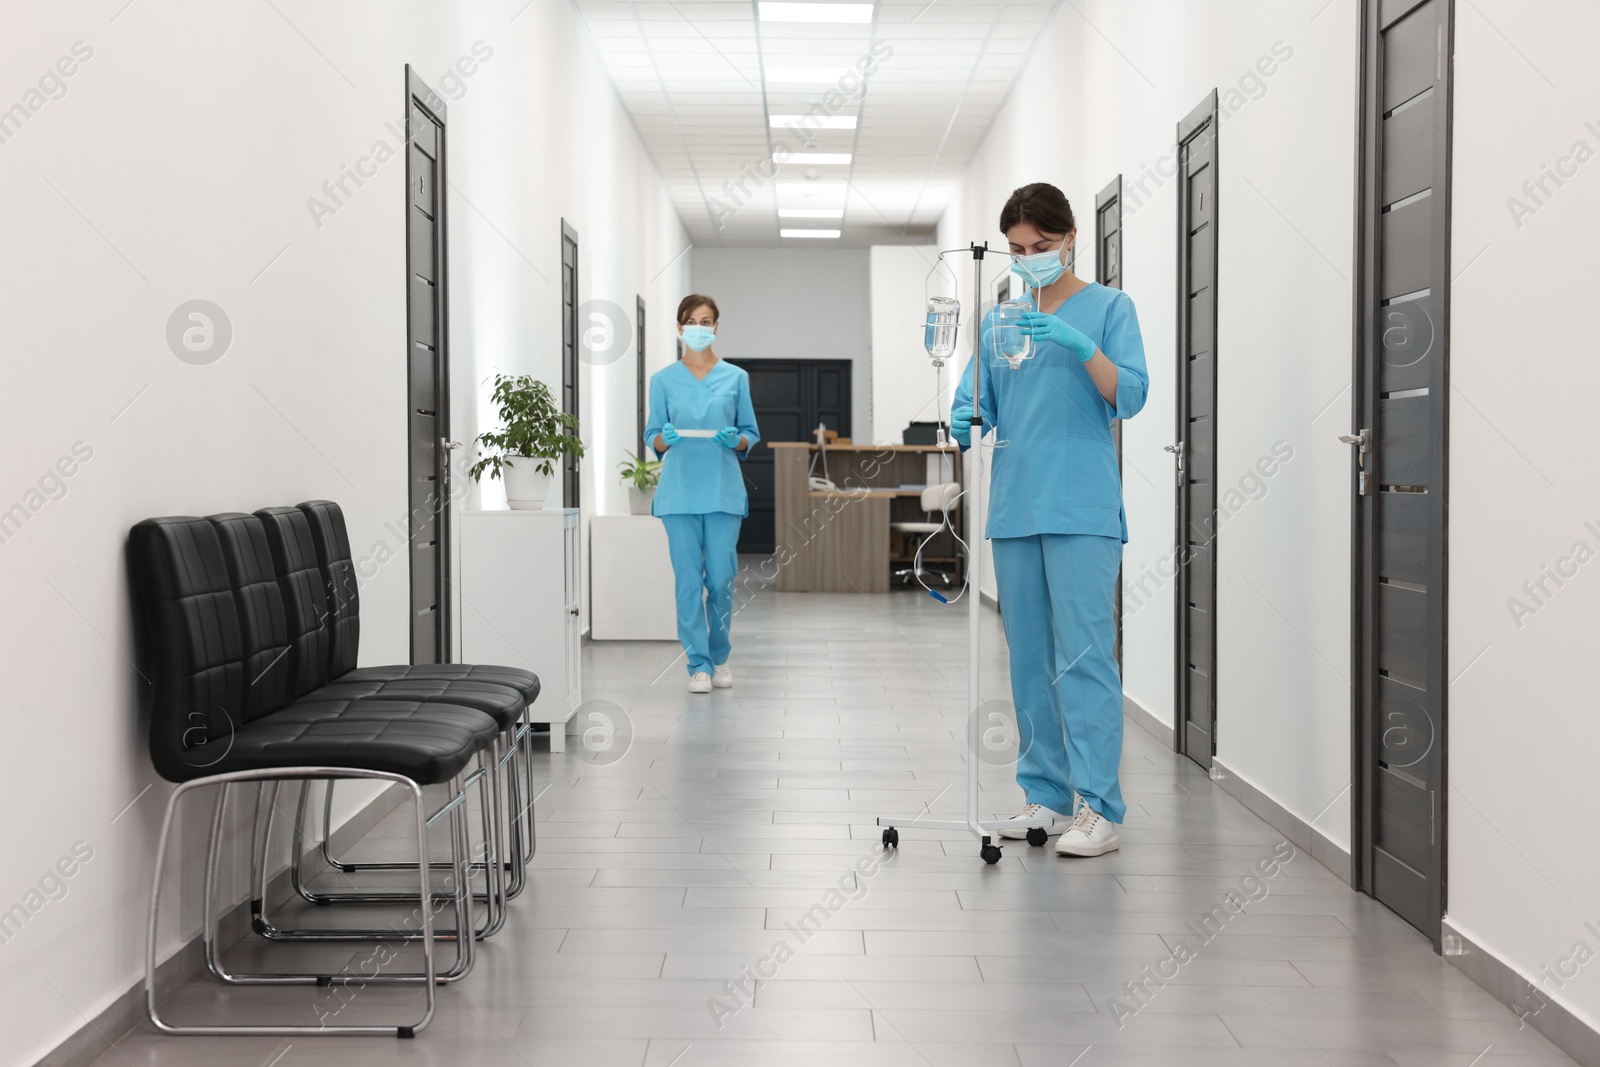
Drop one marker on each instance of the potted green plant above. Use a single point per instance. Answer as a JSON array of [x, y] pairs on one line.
[[642, 476], [533, 435]]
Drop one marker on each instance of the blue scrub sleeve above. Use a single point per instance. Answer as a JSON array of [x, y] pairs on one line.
[[985, 386], [1124, 346], [658, 413], [746, 419]]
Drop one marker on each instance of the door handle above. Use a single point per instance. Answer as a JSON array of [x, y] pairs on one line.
[[1177, 450], [1362, 439], [446, 446]]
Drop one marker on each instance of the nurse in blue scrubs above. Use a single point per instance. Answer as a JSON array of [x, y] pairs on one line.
[[701, 497], [1056, 522]]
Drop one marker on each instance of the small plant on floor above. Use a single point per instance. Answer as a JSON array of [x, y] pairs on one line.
[[644, 474], [532, 427]]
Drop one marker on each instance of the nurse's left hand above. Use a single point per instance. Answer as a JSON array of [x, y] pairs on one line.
[[727, 437], [1051, 328]]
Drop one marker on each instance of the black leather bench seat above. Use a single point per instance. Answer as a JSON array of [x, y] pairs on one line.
[[501, 703], [424, 742]]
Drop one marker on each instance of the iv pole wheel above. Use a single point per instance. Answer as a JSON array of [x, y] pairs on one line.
[[1036, 836], [990, 853], [891, 838]]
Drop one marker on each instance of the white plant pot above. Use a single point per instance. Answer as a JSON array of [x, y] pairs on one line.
[[639, 500], [526, 485]]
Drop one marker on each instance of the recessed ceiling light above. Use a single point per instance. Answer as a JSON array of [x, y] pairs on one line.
[[808, 233], [810, 213], [803, 75], [825, 159], [813, 122], [786, 12], [811, 189]]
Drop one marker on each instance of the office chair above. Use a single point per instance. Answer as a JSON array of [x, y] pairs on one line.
[[936, 500]]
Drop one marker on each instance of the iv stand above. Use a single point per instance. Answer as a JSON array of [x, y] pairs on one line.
[[982, 829]]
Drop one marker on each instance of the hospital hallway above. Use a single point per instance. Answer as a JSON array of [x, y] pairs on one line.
[[674, 858], [799, 533]]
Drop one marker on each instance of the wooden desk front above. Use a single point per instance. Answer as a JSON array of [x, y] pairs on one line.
[[838, 541]]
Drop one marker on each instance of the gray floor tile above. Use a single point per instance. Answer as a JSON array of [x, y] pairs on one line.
[[665, 879]]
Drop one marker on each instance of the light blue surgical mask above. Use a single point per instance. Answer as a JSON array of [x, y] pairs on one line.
[[1040, 269], [699, 338]]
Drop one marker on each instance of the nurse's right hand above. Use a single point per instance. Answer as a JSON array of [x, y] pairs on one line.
[[961, 425], [670, 434]]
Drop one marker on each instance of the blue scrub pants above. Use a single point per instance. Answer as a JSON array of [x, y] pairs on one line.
[[705, 561], [1057, 600]]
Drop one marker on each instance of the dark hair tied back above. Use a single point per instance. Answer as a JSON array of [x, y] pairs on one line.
[[1041, 204], [693, 302]]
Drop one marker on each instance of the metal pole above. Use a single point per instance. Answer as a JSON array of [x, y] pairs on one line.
[[975, 550]]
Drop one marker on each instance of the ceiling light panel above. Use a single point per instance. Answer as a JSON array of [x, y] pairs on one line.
[[812, 159], [848, 14]]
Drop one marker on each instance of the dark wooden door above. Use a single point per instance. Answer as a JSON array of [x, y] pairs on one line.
[[1108, 272], [427, 374], [570, 400], [790, 397], [1400, 468], [1196, 447]]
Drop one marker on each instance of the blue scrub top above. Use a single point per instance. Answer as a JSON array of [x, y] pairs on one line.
[[698, 475], [1059, 474]]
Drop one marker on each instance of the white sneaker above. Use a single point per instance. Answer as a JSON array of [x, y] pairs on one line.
[[723, 678], [699, 682], [1091, 834], [1056, 825]]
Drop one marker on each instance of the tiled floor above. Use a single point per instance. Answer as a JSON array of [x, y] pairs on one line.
[[673, 862]]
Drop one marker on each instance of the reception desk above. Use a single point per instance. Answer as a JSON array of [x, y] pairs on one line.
[[838, 540]]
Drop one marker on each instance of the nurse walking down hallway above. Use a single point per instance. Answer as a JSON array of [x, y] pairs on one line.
[[1056, 520], [703, 426]]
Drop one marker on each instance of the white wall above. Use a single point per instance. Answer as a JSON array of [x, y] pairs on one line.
[[793, 303], [178, 165], [1523, 492], [903, 380], [1285, 210]]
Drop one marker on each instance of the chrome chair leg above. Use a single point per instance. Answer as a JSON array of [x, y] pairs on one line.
[[504, 775], [458, 875], [424, 897], [488, 777]]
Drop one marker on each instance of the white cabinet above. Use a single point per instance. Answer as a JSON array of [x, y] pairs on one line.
[[519, 603], [630, 582]]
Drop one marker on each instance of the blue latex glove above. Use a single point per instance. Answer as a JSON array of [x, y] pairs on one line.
[[727, 437], [961, 425], [669, 434], [1043, 327]]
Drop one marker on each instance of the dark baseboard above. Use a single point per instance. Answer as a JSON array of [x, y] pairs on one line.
[[90, 1041], [1528, 1001]]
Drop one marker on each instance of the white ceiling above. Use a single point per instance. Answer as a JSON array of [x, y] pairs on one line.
[[696, 77]]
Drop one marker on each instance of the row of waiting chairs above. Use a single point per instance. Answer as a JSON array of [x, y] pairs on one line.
[[249, 626]]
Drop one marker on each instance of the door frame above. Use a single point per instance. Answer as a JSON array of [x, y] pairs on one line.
[[1204, 116], [571, 341], [1111, 194], [1366, 388], [641, 400], [419, 96]]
